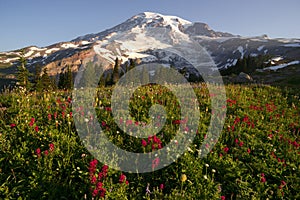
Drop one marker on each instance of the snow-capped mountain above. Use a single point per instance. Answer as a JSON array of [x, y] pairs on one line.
[[148, 37]]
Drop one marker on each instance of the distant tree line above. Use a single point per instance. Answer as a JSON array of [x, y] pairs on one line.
[[65, 81], [248, 65], [40, 80], [111, 77]]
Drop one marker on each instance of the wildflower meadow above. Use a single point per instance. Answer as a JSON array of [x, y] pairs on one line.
[[256, 156]]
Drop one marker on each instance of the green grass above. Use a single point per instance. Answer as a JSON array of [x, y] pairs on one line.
[[293, 81]]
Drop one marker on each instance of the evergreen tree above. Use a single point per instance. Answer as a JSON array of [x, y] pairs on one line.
[[108, 79], [37, 77], [157, 75], [45, 80], [121, 73], [115, 74], [69, 79], [61, 81], [131, 64], [128, 76], [66, 80], [23, 73], [53, 83], [244, 65], [126, 67], [145, 76], [102, 81], [89, 78]]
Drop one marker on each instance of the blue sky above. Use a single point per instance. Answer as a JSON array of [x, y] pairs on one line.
[[43, 22]]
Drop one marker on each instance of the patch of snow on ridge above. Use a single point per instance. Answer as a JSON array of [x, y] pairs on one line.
[[11, 53], [37, 54], [292, 45], [136, 55], [83, 42], [10, 59], [111, 35], [34, 48], [260, 47], [68, 45], [29, 53], [274, 68], [230, 62], [276, 59], [241, 50], [287, 40], [258, 39], [50, 50], [107, 54], [234, 62], [217, 39]]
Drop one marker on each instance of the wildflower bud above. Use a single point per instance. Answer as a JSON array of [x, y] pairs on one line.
[[183, 178], [122, 178], [263, 179], [144, 143], [161, 186]]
